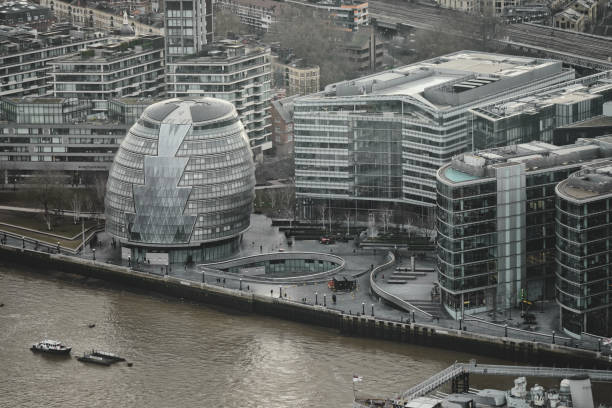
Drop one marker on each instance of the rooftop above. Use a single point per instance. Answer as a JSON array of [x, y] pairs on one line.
[[579, 90], [115, 48], [535, 155], [17, 39], [9, 7], [450, 80], [225, 50], [593, 181], [189, 110]]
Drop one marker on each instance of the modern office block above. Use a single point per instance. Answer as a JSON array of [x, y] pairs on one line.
[[182, 184], [376, 142], [536, 116], [496, 223], [236, 72], [584, 237]]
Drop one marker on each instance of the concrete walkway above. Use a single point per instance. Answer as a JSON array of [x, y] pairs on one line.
[[262, 237]]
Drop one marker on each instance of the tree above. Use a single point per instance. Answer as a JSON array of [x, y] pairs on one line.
[[226, 22], [45, 193], [75, 203], [96, 194], [314, 38]]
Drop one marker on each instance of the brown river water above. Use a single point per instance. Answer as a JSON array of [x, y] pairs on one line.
[[184, 354]]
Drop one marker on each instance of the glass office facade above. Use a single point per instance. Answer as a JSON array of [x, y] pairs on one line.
[[496, 223], [584, 239], [182, 186]]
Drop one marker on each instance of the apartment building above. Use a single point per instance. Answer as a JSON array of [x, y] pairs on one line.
[[26, 56], [294, 75], [258, 14], [376, 142], [123, 67], [236, 72], [61, 135], [14, 13], [97, 18], [189, 27]]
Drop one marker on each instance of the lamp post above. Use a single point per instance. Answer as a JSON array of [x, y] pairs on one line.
[[324, 300], [363, 308], [372, 309], [94, 253], [316, 298], [240, 282]]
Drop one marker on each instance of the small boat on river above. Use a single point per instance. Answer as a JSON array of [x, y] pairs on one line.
[[51, 347], [107, 355]]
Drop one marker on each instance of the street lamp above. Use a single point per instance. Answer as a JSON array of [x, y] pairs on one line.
[[316, 298], [94, 253]]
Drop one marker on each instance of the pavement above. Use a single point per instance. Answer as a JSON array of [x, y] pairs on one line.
[[262, 237]]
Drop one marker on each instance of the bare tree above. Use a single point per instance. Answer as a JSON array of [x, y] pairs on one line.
[[75, 203], [386, 218], [227, 22], [322, 208], [45, 193], [316, 40], [97, 191], [272, 197]]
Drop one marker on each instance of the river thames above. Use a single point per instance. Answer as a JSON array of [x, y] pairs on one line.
[[183, 354]]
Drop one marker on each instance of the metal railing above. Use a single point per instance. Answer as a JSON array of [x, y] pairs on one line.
[[389, 297]]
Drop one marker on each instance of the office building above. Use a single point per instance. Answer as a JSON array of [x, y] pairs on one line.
[[233, 71], [496, 242], [535, 116], [126, 67], [594, 127], [376, 142], [349, 15], [26, 56], [189, 27], [182, 184], [62, 135], [584, 237]]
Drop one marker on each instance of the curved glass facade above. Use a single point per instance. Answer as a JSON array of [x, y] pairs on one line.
[[182, 182], [584, 273]]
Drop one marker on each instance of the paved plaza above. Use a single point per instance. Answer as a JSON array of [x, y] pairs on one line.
[[263, 238]]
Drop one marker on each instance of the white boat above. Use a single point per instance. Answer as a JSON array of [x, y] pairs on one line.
[[50, 346]]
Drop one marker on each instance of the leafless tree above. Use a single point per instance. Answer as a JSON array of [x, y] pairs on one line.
[[386, 218], [227, 22], [76, 202], [314, 38], [322, 208], [97, 191], [45, 193], [272, 197]]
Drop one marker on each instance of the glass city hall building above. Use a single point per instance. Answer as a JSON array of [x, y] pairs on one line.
[[182, 183], [496, 220]]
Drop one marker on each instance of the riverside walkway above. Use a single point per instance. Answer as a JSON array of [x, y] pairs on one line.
[[462, 371]]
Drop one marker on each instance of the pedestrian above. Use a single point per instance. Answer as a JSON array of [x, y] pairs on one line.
[[261, 248], [248, 288]]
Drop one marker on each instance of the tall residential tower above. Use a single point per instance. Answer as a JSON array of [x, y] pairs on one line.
[[189, 26]]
